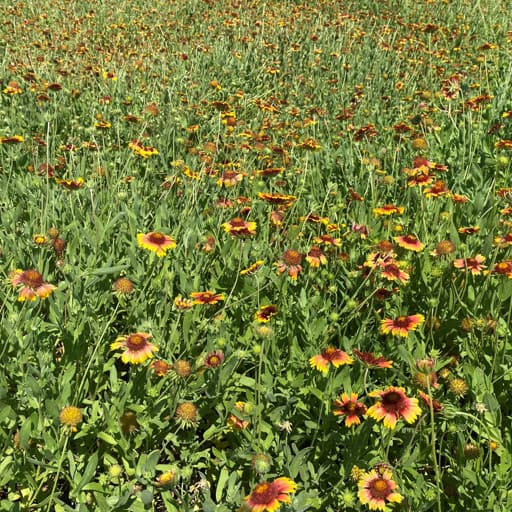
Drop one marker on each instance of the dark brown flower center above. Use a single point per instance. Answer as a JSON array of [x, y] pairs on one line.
[[292, 257], [156, 238], [32, 278], [135, 341], [263, 493], [392, 401], [379, 488], [402, 321]]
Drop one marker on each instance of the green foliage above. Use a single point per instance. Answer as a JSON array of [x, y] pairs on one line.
[[335, 127]]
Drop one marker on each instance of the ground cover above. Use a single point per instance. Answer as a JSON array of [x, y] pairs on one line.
[[255, 255]]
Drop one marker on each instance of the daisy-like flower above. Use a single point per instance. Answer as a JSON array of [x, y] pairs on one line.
[[156, 242], [393, 405], [144, 151], [438, 189], [349, 407], [315, 257], [378, 488], [330, 355], [401, 325], [252, 268], [214, 359], [327, 240], [268, 496], [474, 265], [392, 272], [291, 262], [207, 297], [137, 347], [278, 199], [372, 361], [503, 241], [265, 313], [238, 227], [503, 268], [409, 242], [388, 209], [32, 284], [71, 184], [12, 139]]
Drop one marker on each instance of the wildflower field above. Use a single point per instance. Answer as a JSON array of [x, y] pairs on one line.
[[256, 255]]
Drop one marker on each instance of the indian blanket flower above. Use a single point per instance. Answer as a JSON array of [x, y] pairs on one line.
[[238, 227], [409, 242], [214, 359], [372, 361], [392, 272], [315, 257], [503, 241], [161, 368], [474, 265], [183, 304], [327, 240], [156, 242], [393, 404], [431, 403], [377, 488], [277, 199], [329, 356], [291, 262], [207, 297], [265, 313], [32, 284], [401, 325], [71, 184], [349, 407], [268, 496], [503, 268], [388, 209], [144, 151], [137, 347]]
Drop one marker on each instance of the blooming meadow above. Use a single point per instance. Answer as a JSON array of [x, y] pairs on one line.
[[256, 256]]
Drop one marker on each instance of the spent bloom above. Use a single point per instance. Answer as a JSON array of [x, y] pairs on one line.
[[291, 262]]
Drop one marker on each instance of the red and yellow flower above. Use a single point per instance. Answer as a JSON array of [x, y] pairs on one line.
[[377, 488], [251, 269], [238, 227], [329, 356], [401, 325], [349, 407], [393, 404], [265, 313], [474, 264], [315, 257], [32, 284], [388, 209], [207, 297], [137, 347], [409, 242], [370, 360], [156, 242], [268, 496], [291, 262]]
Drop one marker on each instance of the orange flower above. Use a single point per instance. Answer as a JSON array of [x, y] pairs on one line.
[[409, 242], [431, 403], [137, 347], [268, 496], [392, 272], [252, 268], [32, 284], [401, 325], [156, 242], [392, 406], [474, 265], [329, 356], [350, 408], [388, 209], [370, 360], [378, 488], [207, 297], [327, 240], [277, 199], [503, 268], [71, 184], [238, 227], [291, 262], [316, 257], [503, 241]]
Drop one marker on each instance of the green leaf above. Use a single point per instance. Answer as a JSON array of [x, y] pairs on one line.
[[223, 478], [90, 471], [107, 438]]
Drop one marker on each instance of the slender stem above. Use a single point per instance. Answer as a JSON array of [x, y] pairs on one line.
[[433, 446], [59, 467]]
